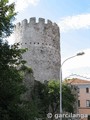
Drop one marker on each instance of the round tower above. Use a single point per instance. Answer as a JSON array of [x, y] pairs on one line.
[[43, 43]]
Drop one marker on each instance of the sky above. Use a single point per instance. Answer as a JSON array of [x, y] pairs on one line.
[[73, 19]]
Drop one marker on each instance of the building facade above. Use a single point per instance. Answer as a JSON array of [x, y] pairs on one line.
[[43, 43], [83, 96]]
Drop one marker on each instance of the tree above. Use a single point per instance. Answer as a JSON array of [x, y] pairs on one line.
[[48, 97], [7, 15], [12, 106], [12, 88]]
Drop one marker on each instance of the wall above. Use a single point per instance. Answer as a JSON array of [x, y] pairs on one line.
[[43, 43], [83, 96]]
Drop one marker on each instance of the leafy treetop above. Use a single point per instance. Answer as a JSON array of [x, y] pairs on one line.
[[7, 15]]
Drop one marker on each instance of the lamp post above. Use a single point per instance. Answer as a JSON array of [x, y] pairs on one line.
[[78, 54]]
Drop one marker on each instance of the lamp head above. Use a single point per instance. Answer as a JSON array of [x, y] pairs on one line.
[[81, 53]]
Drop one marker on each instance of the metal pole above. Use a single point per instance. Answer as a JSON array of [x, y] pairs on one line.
[[78, 54], [60, 93]]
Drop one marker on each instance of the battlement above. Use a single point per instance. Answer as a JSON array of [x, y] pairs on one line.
[[32, 21], [42, 38]]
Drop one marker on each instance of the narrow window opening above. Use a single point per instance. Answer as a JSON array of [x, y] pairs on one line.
[[87, 90], [87, 103], [78, 103]]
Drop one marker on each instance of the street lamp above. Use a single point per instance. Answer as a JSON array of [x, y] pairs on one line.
[[78, 54]]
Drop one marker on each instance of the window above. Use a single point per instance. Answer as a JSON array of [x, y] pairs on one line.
[[78, 90], [87, 90], [78, 103], [88, 117], [87, 103]]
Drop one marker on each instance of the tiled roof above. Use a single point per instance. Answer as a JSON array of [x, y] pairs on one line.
[[77, 81]]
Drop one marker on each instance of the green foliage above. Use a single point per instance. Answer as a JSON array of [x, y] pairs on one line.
[[25, 68], [12, 106], [6, 17], [39, 98], [53, 91], [68, 98], [12, 88], [47, 96], [11, 84], [10, 56]]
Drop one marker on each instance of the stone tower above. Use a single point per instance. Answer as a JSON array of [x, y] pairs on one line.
[[43, 43]]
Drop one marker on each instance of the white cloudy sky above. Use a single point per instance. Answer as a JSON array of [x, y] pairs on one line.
[[73, 17], [23, 4], [75, 22]]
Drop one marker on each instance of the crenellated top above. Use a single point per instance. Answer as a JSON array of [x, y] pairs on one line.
[[32, 21]]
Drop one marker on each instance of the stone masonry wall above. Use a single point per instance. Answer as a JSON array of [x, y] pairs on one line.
[[43, 43]]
